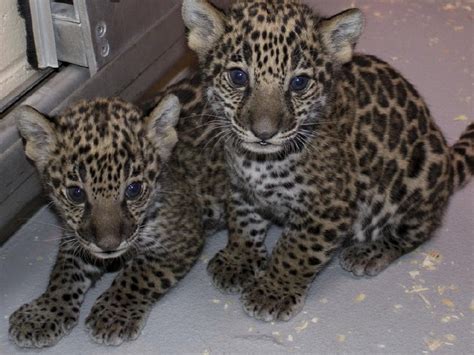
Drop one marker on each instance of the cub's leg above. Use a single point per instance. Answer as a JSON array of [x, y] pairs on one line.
[[302, 251], [245, 255], [410, 226], [44, 321], [120, 313]]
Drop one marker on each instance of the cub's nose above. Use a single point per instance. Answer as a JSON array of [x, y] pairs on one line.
[[108, 243], [264, 135], [264, 129]]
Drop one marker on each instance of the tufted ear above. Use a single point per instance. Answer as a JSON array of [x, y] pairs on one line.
[[341, 32], [39, 134], [205, 24], [161, 125]]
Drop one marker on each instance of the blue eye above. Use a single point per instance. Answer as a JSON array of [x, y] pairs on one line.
[[133, 190], [299, 83], [76, 194], [238, 77]]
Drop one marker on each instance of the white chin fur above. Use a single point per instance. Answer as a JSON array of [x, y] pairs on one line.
[[100, 254], [115, 254], [261, 149]]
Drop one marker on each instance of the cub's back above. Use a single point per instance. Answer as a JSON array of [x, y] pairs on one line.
[[393, 133]]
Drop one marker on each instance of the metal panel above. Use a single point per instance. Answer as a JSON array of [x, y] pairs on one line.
[[142, 62], [122, 24], [70, 44], [43, 32]]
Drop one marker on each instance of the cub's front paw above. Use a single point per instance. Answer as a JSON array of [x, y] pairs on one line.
[[232, 271], [268, 301], [41, 323], [113, 322]]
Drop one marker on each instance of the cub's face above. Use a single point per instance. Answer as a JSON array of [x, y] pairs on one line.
[[270, 67], [100, 161]]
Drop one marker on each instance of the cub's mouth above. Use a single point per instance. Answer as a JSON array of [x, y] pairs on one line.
[[100, 253], [108, 254], [262, 147]]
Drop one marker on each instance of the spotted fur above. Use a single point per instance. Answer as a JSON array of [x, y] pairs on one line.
[[350, 161], [153, 238]]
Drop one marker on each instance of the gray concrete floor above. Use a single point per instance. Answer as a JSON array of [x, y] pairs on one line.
[[423, 303]]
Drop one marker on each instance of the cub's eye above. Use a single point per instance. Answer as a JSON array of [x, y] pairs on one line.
[[76, 194], [238, 77], [299, 83], [133, 190]]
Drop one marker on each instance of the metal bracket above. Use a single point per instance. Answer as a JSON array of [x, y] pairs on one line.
[[43, 31]]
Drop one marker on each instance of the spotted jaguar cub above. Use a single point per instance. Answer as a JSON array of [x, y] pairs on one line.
[[127, 205], [337, 147]]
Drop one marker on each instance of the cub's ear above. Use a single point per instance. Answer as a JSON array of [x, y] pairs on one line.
[[39, 134], [161, 125], [341, 32], [205, 24]]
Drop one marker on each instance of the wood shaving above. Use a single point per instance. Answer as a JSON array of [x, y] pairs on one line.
[[433, 344], [432, 259], [450, 337], [359, 298], [304, 324], [447, 302], [277, 337], [433, 41], [449, 7], [414, 273], [341, 338], [427, 303], [455, 6], [449, 318], [442, 289], [216, 301], [416, 289], [460, 118]]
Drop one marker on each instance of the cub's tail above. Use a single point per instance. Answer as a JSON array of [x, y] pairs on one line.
[[462, 153]]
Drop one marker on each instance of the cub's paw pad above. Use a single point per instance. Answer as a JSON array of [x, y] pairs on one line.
[[232, 271], [112, 324], [367, 259], [39, 324], [269, 302]]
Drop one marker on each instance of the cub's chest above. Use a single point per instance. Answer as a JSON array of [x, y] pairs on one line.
[[270, 182]]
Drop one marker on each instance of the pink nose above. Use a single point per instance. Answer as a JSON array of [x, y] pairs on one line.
[[264, 135], [264, 128]]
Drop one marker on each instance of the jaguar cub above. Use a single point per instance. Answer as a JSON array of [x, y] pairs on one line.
[[127, 205], [337, 147]]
